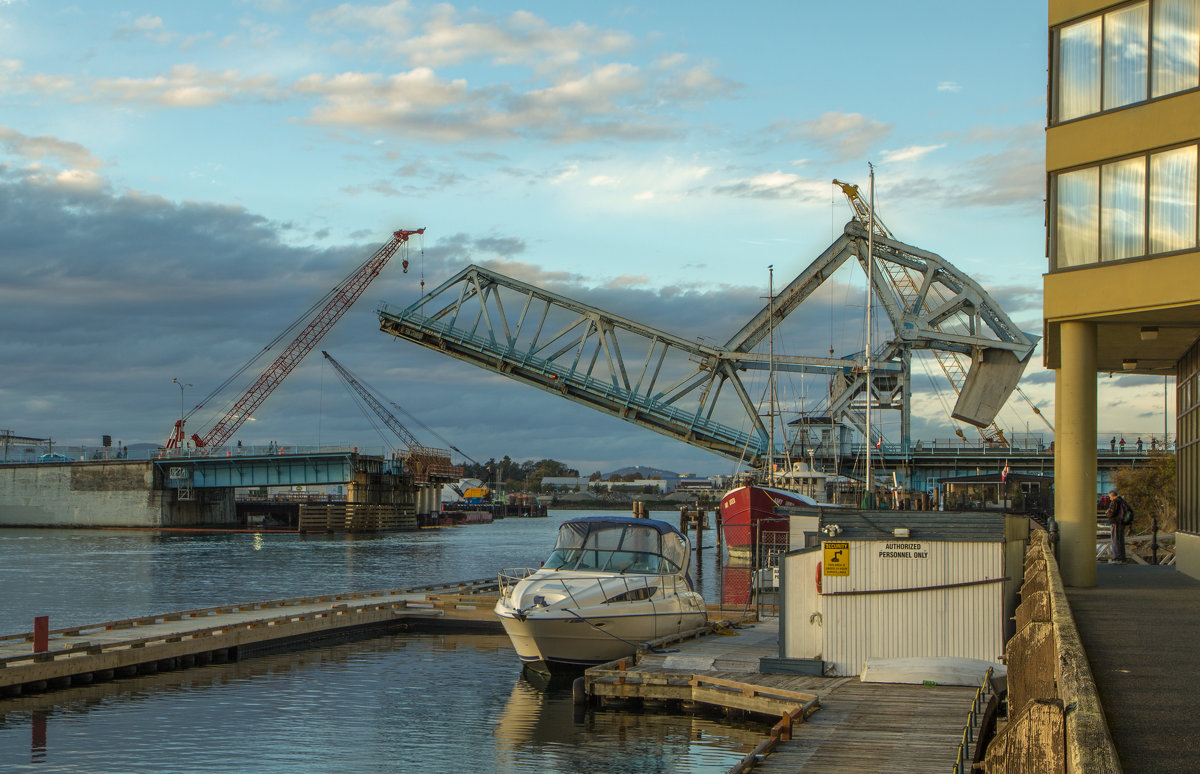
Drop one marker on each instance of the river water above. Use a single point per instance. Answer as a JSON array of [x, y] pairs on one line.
[[397, 703]]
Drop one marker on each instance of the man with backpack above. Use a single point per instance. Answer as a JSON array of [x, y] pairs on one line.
[[1119, 516]]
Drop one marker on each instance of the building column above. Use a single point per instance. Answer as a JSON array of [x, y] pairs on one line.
[[1075, 453]]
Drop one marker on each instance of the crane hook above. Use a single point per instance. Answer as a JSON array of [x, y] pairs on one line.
[[404, 265]]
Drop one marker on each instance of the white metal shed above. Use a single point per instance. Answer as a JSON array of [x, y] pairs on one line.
[[900, 584]]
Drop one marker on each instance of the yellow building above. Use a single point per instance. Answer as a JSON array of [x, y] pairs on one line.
[[1123, 291]]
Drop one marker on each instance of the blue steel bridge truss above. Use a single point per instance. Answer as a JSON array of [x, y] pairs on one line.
[[693, 392], [333, 467]]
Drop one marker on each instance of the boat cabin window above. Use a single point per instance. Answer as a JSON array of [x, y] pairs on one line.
[[616, 548]]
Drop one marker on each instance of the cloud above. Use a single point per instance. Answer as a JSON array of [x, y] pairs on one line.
[[44, 148], [843, 136], [776, 185], [150, 27], [446, 37], [185, 86], [599, 104], [565, 85], [911, 153], [950, 86]]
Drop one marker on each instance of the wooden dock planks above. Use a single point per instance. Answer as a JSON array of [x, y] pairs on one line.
[[849, 728], [876, 728]]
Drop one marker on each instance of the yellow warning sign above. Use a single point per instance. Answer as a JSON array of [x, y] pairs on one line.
[[837, 559]]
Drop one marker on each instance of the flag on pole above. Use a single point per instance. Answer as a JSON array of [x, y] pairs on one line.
[[1004, 473], [879, 442]]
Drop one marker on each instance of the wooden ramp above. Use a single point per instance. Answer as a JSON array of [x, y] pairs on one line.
[[877, 728], [145, 645]]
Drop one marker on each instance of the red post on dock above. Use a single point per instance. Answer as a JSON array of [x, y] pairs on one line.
[[41, 634]]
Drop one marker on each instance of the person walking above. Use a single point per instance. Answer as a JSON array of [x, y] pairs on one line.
[[1112, 444], [1119, 516], [1122, 443], [1139, 444]]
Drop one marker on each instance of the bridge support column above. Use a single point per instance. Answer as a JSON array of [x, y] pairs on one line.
[[1075, 453]]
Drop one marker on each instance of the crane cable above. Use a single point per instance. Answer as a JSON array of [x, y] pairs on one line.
[[308, 313]]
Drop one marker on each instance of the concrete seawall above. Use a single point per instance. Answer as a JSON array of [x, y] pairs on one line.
[[107, 493]]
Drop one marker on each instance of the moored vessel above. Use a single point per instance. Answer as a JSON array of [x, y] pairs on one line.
[[750, 522], [611, 584]]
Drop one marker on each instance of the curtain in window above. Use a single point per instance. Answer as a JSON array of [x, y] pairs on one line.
[[1123, 210], [1126, 55], [1079, 69], [1077, 214], [1176, 46], [1173, 200]]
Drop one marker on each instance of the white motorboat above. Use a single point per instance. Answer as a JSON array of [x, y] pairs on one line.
[[612, 583]]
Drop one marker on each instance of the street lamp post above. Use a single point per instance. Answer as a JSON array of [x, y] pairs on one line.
[[182, 439]]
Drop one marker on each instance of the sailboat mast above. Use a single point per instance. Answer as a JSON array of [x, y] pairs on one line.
[[869, 495], [771, 375]]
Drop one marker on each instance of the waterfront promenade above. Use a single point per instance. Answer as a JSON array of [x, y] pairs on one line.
[[1139, 626]]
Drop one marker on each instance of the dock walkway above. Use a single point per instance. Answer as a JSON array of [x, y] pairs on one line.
[[82, 654], [851, 727], [1139, 625]]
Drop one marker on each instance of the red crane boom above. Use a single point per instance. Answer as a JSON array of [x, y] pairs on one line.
[[340, 300]]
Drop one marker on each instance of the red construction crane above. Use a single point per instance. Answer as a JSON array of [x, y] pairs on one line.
[[339, 300]]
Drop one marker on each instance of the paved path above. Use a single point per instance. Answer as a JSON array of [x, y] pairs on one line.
[[1140, 626]]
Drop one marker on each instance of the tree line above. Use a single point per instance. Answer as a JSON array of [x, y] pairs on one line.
[[517, 476]]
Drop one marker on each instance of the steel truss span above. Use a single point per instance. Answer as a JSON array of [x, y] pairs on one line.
[[694, 392]]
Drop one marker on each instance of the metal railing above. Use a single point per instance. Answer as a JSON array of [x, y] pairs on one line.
[[961, 764]]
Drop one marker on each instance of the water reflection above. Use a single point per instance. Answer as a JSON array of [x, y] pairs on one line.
[[541, 726], [405, 702]]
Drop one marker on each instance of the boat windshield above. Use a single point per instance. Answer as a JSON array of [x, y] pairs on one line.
[[616, 548]]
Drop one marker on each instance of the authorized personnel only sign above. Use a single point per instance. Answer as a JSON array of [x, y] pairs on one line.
[[904, 551], [837, 559]]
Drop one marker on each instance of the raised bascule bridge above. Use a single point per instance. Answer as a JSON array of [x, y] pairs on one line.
[[704, 395]]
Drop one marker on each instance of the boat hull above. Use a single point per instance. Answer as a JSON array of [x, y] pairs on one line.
[[749, 520], [571, 643]]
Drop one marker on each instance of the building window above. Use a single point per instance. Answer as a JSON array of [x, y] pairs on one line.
[[1173, 200], [1123, 210], [1125, 56], [1129, 208], [1176, 46], [1078, 217]]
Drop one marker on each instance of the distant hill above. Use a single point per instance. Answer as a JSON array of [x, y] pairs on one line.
[[641, 471]]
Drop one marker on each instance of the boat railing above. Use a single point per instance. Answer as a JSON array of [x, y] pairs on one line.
[[510, 577], [615, 588]]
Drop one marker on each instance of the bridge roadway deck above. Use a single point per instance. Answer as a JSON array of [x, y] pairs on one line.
[[83, 654]]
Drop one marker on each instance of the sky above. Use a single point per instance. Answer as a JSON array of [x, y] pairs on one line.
[[179, 182]]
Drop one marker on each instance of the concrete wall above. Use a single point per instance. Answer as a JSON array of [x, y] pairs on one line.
[[1055, 720], [112, 493]]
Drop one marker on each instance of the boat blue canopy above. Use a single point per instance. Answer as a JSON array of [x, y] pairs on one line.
[[662, 526], [602, 542]]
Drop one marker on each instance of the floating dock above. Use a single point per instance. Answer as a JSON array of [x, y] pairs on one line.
[[50, 659], [45, 659]]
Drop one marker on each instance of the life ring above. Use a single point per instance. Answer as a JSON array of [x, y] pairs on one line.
[[818, 577]]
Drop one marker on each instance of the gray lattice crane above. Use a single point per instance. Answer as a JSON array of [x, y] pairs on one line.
[[427, 463]]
